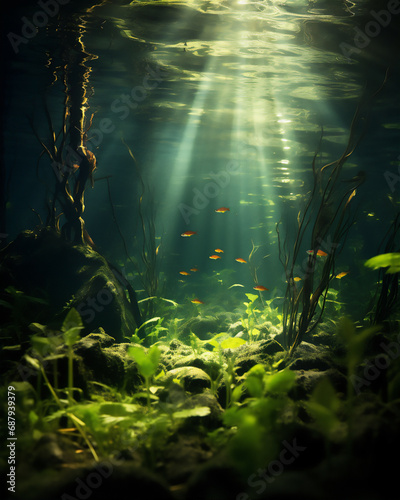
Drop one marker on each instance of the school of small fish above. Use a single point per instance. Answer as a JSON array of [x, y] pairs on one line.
[[257, 287]]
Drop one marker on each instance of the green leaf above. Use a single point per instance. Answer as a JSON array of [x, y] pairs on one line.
[[323, 406], [325, 395], [254, 386], [32, 361], [147, 363], [118, 409], [37, 327], [200, 411], [72, 320], [41, 344], [154, 354], [281, 382], [232, 343], [251, 296], [354, 340], [72, 335], [390, 260], [33, 417]]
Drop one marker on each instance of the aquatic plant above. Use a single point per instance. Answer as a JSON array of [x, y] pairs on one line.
[[250, 321], [72, 162], [386, 297], [148, 271], [70, 334], [154, 335], [354, 342], [147, 364], [257, 418], [327, 213]]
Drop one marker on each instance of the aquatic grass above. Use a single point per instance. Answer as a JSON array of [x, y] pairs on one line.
[[71, 327], [150, 251], [327, 218]]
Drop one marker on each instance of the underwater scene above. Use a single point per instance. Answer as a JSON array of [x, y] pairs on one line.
[[200, 249]]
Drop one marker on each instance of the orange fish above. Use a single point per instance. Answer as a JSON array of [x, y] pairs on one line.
[[186, 234], [218, 250], [184, 273], [320, 253], [296, 279], [215, 257], [194, 269], [242, 261], [197, 301], [342, 274], [222, 210], [260, 288]]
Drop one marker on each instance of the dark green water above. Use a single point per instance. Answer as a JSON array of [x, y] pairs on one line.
[[222, 104]]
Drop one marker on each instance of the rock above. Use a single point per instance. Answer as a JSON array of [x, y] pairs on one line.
[[205, 327], [50, 273], [183, 456], [206, 361], [193, 379], [251, 353], [307, 380], [100, 481], [105, 364], [179, 354], [47, 451], [216, 480], [310, 357], [235, 328], [210, 421]]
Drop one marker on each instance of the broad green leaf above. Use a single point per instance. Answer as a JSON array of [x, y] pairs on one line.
[[325, 420], [257, 370], [280, 382], [118, 409], [41, 344], [254, 386], [72, 320], [72, 335], [390, 260], [325, 395], [251, 296], [147, 363], [214, 343], [154, 354], [232, 343], [200, 411]]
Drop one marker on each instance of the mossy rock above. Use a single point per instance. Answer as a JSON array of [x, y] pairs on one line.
[[252, 353], [49, 276], [104, 363], [310, 357], [193, 379], [205, 327]]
